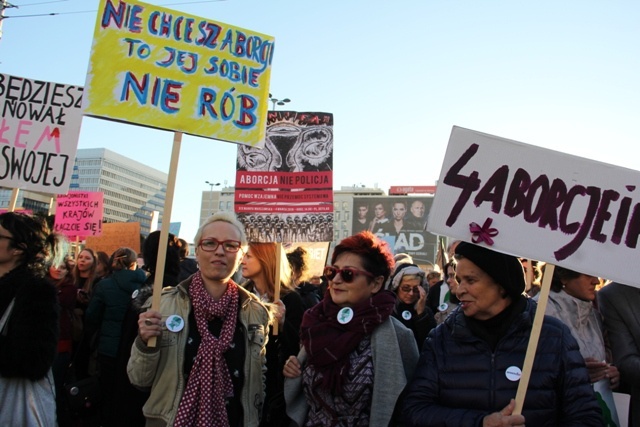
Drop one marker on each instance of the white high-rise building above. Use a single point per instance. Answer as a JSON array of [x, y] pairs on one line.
[[132, 190]]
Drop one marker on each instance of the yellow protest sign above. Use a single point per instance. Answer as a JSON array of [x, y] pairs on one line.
[[165, 69]]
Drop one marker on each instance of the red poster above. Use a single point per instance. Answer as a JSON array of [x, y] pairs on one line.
[[284, 191]]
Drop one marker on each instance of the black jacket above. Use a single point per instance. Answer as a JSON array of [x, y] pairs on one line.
[[29, 347], [459, 380], [420, 325]]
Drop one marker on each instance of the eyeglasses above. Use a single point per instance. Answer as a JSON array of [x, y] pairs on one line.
[[211, 245], [348, 274], [409, 289]]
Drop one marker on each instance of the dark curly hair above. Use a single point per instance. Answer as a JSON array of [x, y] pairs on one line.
[[40, 248], [560, 274], [150, 250], [299, 261], [376, 255]]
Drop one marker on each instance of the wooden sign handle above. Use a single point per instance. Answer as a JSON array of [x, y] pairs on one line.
[[164, 230], [533, 339]]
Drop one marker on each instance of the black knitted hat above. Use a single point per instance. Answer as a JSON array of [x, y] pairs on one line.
[[505, 270]]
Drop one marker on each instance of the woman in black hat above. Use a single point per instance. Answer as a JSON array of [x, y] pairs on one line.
[[471, 364]]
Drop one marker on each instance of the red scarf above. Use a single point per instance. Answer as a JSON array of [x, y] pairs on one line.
[[329, 343], [203, 401]]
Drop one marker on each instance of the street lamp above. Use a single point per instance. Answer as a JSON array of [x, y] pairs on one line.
[[278, 101], [211, 185]]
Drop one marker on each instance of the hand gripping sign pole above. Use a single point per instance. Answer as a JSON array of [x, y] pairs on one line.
[[164, 230], [534, 337]]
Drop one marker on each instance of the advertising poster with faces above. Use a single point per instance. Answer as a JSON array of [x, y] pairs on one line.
[[284, 191], [401, 221]]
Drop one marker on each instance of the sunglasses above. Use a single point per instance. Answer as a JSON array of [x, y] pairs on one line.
[[348, 274], [211, 245]]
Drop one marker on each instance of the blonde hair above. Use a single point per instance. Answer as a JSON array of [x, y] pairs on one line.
[[265, 253]]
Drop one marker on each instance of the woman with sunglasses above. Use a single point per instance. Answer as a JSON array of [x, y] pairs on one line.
[[356, 357], [409, 283], [208, 363], [29, 320]]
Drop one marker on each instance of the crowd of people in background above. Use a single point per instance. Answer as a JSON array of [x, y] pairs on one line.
[[247, 335]]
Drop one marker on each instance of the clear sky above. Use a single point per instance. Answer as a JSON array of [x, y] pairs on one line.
[[397, 75]]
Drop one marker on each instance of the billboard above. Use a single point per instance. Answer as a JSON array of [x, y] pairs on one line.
[[401, 221], [285, 190], [165, 69], [39, 131]]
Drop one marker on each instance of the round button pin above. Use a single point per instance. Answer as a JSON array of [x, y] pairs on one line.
[[406, 315], [135, 294], [443, 306], [513, 373], [174, 323], [345, 315]]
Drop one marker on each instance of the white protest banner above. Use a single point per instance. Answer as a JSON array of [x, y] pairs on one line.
[[539, 204], [39, 131]]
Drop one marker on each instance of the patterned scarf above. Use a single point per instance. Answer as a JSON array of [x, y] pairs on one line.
[[209, 384], [329, 343]]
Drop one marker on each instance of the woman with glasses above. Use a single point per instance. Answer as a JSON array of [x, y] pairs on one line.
[[29, 320], [207, 365], [409, 284], [356, 358], [259, 268]]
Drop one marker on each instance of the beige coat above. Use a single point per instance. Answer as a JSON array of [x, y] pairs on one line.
[[161, 368]]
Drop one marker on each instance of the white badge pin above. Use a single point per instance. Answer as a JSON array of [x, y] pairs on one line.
[[443, 306], [406, 315], [174, 323], [135, 294], [513, 373], [345, 315]]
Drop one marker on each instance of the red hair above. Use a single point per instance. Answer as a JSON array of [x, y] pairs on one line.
[[375, 253]]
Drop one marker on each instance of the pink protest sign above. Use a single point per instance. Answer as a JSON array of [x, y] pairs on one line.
[[79, 214]]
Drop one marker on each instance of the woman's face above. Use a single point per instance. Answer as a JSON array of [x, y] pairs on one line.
[[480, 296], [6, 249], [451, 279], [582, 287], [85, 261], [59, 272], [379, 212], [362, 287], [101, 268], [408, 290], [251, 267], [399, 211]]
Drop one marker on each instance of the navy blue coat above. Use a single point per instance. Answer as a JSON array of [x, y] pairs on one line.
[[108, 306], [459, 380]]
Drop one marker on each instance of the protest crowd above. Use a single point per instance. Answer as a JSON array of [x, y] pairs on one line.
[[376, 340]]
